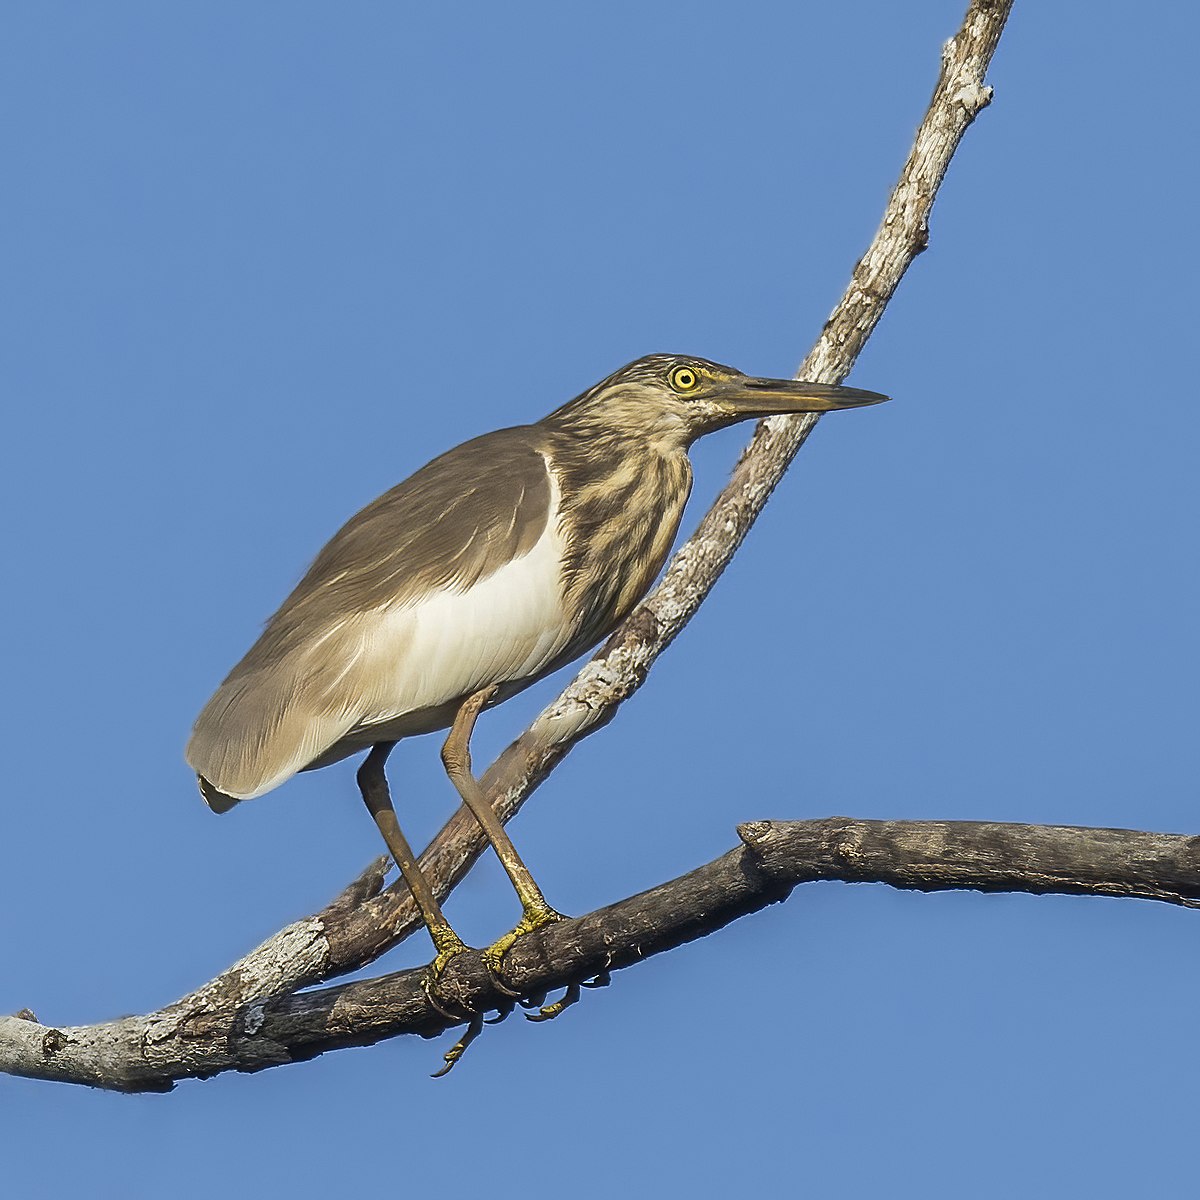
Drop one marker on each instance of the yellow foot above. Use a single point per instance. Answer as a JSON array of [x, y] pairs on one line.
[[448, 947], [533, 918], [547, 1012]]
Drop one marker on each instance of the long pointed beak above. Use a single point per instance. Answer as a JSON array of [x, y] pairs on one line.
[[750, 397]]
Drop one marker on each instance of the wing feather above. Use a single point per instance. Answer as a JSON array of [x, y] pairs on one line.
[[384, 624]]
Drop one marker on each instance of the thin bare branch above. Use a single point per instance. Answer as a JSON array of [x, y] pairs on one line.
[[208, 1034]]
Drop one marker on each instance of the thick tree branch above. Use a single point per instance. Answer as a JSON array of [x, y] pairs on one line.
[[206, 1034]]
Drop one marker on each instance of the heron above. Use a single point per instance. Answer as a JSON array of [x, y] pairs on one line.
[[494, 565]]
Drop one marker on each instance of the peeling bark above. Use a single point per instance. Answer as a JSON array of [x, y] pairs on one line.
[[212, 1031]]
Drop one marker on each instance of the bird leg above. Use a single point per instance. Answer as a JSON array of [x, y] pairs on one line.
[[372, 782], [456, 755]]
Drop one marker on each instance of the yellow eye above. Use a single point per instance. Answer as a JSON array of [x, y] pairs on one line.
[[683, 379]]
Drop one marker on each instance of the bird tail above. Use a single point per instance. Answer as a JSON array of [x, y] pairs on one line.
[[259, 729], [217, 800]]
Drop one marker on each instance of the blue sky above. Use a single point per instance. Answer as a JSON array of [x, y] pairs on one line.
[[261, 261]]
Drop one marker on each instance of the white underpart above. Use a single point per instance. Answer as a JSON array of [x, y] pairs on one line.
[[450, 643], [378, 667]]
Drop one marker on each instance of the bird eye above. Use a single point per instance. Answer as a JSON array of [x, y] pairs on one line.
[[683, 379]]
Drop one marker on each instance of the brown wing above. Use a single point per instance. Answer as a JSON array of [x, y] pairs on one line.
[[293, 696]]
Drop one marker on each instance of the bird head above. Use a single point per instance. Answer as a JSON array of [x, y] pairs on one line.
[[677, 398]]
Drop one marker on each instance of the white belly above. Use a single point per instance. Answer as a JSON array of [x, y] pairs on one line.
[[449, 643], [389, 672]]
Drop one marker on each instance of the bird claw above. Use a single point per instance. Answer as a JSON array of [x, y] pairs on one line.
[[547, 1012], [476, 1020], [474, 1029], [499, 984], [503, 1012], [493, 956], [464, 1013], [531, 919], [433, 974]]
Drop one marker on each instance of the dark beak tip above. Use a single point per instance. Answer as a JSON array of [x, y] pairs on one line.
[[860, 397]]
